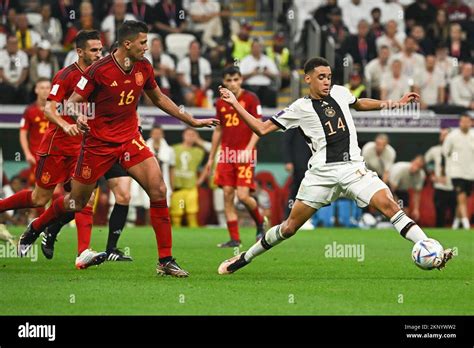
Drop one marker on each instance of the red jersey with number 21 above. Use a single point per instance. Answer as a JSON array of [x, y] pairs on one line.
[[115, 95], [235, 132]]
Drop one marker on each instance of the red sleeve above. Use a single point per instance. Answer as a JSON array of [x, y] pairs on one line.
[[218, 111], [86, 85], [256, 107], [58, 90], [26, 119], [150, 82]]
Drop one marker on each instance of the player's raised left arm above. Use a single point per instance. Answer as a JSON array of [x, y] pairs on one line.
[[167, 105], [367, 104], [257, 126]]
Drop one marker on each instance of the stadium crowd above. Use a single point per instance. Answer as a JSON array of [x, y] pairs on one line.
[[396, 46]]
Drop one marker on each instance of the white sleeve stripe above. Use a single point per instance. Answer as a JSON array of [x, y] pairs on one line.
[[273, 119]]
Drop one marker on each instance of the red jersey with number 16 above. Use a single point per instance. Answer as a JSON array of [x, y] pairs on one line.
[[235, 132], [113, 94], [55, 141]]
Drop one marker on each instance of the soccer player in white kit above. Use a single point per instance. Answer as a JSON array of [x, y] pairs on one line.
[[336, 167]]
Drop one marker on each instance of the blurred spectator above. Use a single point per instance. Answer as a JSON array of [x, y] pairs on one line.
[[27, 38], [355, 85], [10, 24], [336, 28], [66, 11], [13, 72], [439, 30], [218, 33], [421, 12], [86, 21], [142, 11], [375, 69], [42, 64], [194, 76], [412, 63], [376, 27], [282, 57], [34, 123], [185, 184], [444, 195], [461, 88], [406, 176], [201, 13], [170, 18], [260, 74], [392, 10], [459, 151], [425, 45], [322, 14], [458, 11], [6, 6], [353, 13], [394, 85], [432, 84], [379, 156], [112, 22], [50, 28], [458, 46], [446, 64], [163, 65], [241, 43], [361, 46], [393, 38]]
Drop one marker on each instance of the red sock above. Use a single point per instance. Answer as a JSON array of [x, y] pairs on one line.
[[160, 220], [84, 228], [19, 200], [256, 216], [55, 212], [233, 227]]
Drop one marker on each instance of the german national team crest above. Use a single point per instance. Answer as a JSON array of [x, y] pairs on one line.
[[45, 178], [139, 79], [86, 172], [330, 112]]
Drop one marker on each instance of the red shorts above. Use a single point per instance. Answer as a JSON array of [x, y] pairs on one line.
[[97, 157], [52, 170], [235, 174]]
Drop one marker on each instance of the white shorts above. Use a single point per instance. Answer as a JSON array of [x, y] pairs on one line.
[[322, 186]]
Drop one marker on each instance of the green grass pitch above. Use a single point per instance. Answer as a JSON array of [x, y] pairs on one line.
[[295, 278]]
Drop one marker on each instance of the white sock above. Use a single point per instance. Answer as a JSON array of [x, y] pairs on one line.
[[456, 222], [272, 237], [465, 223], [407, 227]]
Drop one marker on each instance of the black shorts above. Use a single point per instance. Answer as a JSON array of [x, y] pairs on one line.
[[462, 185], [404, 197], [115, 171]]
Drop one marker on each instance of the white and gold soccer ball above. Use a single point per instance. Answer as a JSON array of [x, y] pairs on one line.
[[427, 254]]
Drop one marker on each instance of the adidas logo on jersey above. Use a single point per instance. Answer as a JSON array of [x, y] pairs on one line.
[[114, 84]]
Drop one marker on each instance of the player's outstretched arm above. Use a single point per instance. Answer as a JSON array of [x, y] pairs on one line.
[[367, 104], [167, 105], [258, 127], [53, 116]]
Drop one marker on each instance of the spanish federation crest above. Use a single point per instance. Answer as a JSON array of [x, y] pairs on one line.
[[139, 79], [86, 172], [329, 111], [45, 178]]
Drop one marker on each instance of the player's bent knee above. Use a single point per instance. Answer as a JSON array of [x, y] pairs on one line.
[[157, 192], [39, 200], [123, 198], [288, 228]]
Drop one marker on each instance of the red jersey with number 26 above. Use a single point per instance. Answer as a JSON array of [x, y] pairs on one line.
[[114, 95], [235, 132], [55, 141]]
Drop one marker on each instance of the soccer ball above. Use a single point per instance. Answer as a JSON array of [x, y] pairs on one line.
[[427, 254]]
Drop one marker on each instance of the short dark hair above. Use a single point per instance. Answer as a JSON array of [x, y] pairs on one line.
[[156, 126], [465, 115], [85, 35], [231, 70], [314, 63], [42, 79], [130, 29]]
